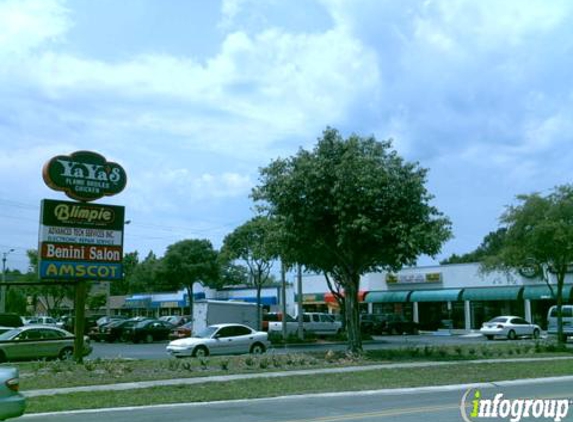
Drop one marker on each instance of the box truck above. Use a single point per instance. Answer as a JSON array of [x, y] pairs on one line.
[[209, 312]]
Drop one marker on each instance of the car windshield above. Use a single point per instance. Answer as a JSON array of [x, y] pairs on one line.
[[8, 335], [206, 333], [499, 319]]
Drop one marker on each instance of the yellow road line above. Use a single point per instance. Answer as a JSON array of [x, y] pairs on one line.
[[383, 413]]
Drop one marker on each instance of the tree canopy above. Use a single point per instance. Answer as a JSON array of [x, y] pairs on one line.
[[254, 243], [490, 246], [348, 207], [539, 233], [188, 262]]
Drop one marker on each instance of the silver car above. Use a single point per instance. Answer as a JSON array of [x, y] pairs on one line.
[[510, 327], [12, 403], [32, 342], [220, 339]]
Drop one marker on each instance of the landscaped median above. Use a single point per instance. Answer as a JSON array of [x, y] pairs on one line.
[[243, 377]]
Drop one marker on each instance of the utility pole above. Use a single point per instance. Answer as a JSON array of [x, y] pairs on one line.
[[3, 287]]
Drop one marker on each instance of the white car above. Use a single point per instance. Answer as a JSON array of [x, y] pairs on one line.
[[510, 327], [43, 320], [220, 339]]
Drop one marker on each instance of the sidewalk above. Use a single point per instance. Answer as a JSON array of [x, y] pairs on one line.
[[224, 378]]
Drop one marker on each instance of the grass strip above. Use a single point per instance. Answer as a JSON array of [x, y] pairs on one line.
[[247, 389], [57, 374]]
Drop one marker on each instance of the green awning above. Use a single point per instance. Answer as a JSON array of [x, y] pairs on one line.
[[387, 297], [492, 293], [543, 292], [443, 295]]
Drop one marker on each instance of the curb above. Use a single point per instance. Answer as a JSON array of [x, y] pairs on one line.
[[383, 392]]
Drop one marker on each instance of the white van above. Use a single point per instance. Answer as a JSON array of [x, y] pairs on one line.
[[567, 314]]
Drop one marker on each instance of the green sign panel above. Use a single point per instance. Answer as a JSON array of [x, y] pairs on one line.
[[80, 241], [77, 214], [84, 175]]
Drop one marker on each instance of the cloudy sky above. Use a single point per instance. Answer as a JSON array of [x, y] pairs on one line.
[[192, 97]]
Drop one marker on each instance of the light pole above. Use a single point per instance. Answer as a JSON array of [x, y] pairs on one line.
[[3, 287]]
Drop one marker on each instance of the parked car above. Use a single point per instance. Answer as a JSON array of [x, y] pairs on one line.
[[269, 317], [89, 323], [9, 321], [378, 324], [110, 331], [510, 327], [320, 323], [107, 319], [148, 331], [38, 342], [43, 320], [220, 339], [12, 403], [567, 318], [182, 331], [176, 320], [317, 323]]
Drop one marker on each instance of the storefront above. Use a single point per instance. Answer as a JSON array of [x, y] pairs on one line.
[[538, 299], [483, 304]]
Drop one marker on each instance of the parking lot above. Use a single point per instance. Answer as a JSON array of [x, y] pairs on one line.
[[156, 350]]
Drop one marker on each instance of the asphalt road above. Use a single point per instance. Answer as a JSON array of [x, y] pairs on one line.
[[413, 405], [157, 350]]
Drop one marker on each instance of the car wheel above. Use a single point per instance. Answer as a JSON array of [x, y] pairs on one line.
[[257, 349], [200, 352], [511, 335], [149, 338], [489, 337], [66, 353], [535, 334]]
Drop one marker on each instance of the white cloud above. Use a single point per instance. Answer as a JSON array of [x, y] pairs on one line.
[[26, 25]]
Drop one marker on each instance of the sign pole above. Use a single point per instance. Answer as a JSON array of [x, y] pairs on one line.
[[78, 240], [79, 320]]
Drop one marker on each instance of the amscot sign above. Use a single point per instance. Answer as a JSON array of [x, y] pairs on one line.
[[80, 241], [84, 175]]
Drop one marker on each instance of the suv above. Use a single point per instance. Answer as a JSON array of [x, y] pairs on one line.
[[9, 321], [566, 315], [312, 322], [387, 324], [320, 323]]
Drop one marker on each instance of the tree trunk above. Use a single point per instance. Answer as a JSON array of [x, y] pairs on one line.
[[339, 297], [351, 285], [560, 281]]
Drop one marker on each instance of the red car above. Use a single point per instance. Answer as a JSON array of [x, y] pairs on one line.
[[182, 331]]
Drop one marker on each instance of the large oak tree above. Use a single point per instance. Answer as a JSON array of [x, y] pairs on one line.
[[348, 207]]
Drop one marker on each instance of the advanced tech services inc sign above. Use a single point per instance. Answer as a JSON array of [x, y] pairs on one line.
[[80, 241]]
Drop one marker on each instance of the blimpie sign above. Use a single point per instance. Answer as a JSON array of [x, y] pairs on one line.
[[84, 175], [80, 241], [78, 215]]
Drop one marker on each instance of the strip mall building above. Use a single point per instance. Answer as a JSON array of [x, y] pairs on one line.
[[455, 296], [458, 296]]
